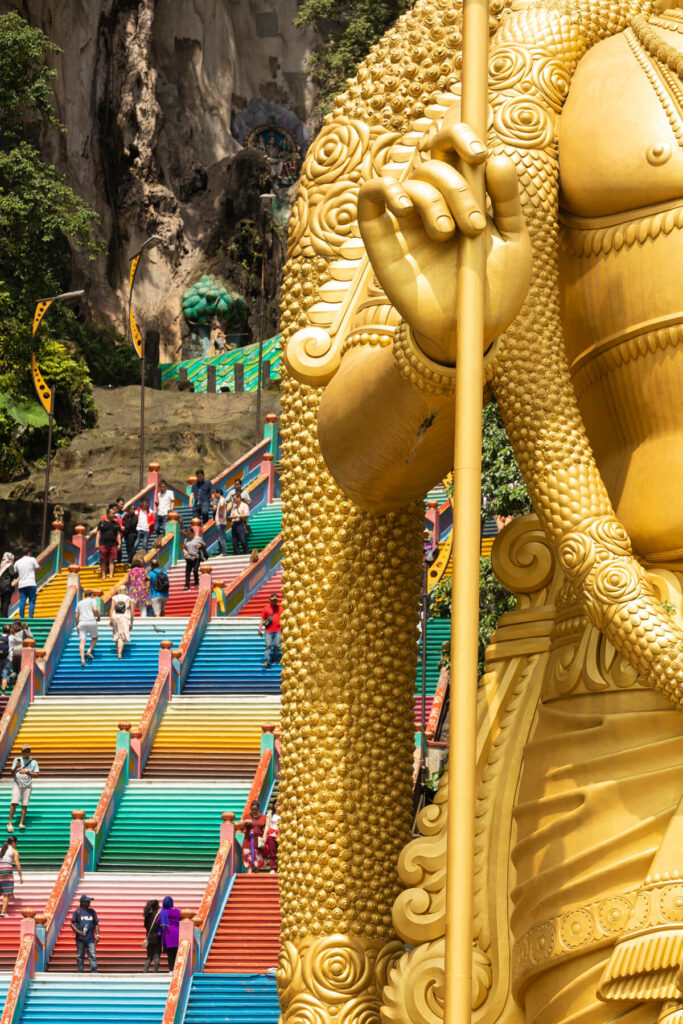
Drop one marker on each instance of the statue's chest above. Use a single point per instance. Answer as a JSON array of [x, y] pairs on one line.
[[621, 131]]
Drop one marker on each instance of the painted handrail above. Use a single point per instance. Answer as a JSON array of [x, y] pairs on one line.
[[262, 784], [58, 636], [141, 744], [245, 469], [98, 827], [215, 896], [194, 631], [254, 576], [70, 553], [179, 988], [13, 715], [63, 891], [24, 969]]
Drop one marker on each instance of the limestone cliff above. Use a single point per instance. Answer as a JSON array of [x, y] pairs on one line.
[[149, 91]]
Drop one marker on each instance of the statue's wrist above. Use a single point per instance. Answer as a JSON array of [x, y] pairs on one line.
[[418, 367], [429, 348]]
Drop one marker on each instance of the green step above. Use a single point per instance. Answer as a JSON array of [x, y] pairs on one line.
[[40, 628], [45, 840]]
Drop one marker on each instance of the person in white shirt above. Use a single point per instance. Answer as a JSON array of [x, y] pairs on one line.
[[87, 617], [24, 771], [165, 502], [238, 510], [239, 494], [26, 582]]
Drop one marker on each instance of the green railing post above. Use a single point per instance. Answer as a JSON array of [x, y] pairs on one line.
[[270, 431]]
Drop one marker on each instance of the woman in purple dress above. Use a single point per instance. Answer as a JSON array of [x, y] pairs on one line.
[[170, 930]]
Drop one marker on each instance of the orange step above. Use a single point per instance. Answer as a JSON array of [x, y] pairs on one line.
[[248, 937]]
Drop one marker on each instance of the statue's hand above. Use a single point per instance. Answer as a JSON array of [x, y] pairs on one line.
[[411, 234]]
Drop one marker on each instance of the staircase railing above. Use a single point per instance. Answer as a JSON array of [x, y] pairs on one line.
[[13, 715], [161, 553], [181, 979], [48, 656], [142, 737], [266, 772], [24, 970], [99, 826], [218, 888], [245, 469], [242, 589], [195, 629], [49, 923]]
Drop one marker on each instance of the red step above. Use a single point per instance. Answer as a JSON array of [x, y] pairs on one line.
[[248, 936], [34, 893], [119, 900], [261, 598], [224, 568]]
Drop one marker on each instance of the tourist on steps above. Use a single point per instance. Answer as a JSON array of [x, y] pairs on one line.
[[108, 542], [254, 831], [8, 574], [221, 519], [130, 532], [270, 624], [138, 584], [272, 836], [5, 657], [200, 496], [86, 928], [165, 503], [18, 633], [121, 619], [9, 860], [152, 941], [170, 930], [159, 586], [26, 567], [87, 617], [146, 523], [24, 771], [192, 550], [238, 511]]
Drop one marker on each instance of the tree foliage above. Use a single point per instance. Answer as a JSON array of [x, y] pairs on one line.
[[348, 29], [39, 215]]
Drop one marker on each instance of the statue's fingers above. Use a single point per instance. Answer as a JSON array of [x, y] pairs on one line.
[[503, 187], [465, 210], [458, 140], [432, 208], [377, 200]]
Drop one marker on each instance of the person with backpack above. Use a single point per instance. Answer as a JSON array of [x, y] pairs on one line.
[[159, 588], [8, 574], [152, 942], [87, 618]]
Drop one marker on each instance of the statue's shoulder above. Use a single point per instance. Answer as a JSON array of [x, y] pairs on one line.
[[616, 119]]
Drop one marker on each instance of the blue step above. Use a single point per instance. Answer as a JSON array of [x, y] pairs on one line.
[[96, 999], [230, 660], [238, 998], [5, 978], [135, 672]]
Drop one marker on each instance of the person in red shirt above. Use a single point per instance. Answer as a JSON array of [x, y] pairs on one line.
[[254, 827], [270, 623]]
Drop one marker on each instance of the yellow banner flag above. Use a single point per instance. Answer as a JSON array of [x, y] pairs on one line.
[[135, 333], [134, 267], [45, 394], [41, 309]]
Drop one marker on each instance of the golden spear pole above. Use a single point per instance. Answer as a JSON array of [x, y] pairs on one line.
[[466, 541]]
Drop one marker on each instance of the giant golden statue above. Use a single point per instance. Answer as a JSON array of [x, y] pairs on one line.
[[579, 853]]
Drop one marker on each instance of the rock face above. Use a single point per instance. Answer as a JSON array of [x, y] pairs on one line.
[[184, 432], [148, 90]]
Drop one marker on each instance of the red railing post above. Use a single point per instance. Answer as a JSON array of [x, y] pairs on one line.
[[267, 469], [432, 516], [80, 542], [166, 664], [28, 661]]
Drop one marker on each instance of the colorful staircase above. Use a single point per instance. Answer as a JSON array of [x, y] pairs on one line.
[[135, 672], [50, 596], [45, 841], [247, 940], [119, 900], [230, 660], [237, 998], [33, 893], [74, 734], [225, 366], [265, 525], [438, 632], [40, 628], [95, 998], [224, 569], [261, 598], [170, 825], [212, 737]]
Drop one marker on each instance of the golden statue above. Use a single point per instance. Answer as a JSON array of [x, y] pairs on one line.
[[578, 912]]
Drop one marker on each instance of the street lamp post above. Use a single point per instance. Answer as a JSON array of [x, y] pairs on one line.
[[139, 343], [46, 394], [269, 196]]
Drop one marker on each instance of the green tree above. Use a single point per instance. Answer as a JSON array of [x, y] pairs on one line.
[[39, 215], [348, 29]]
